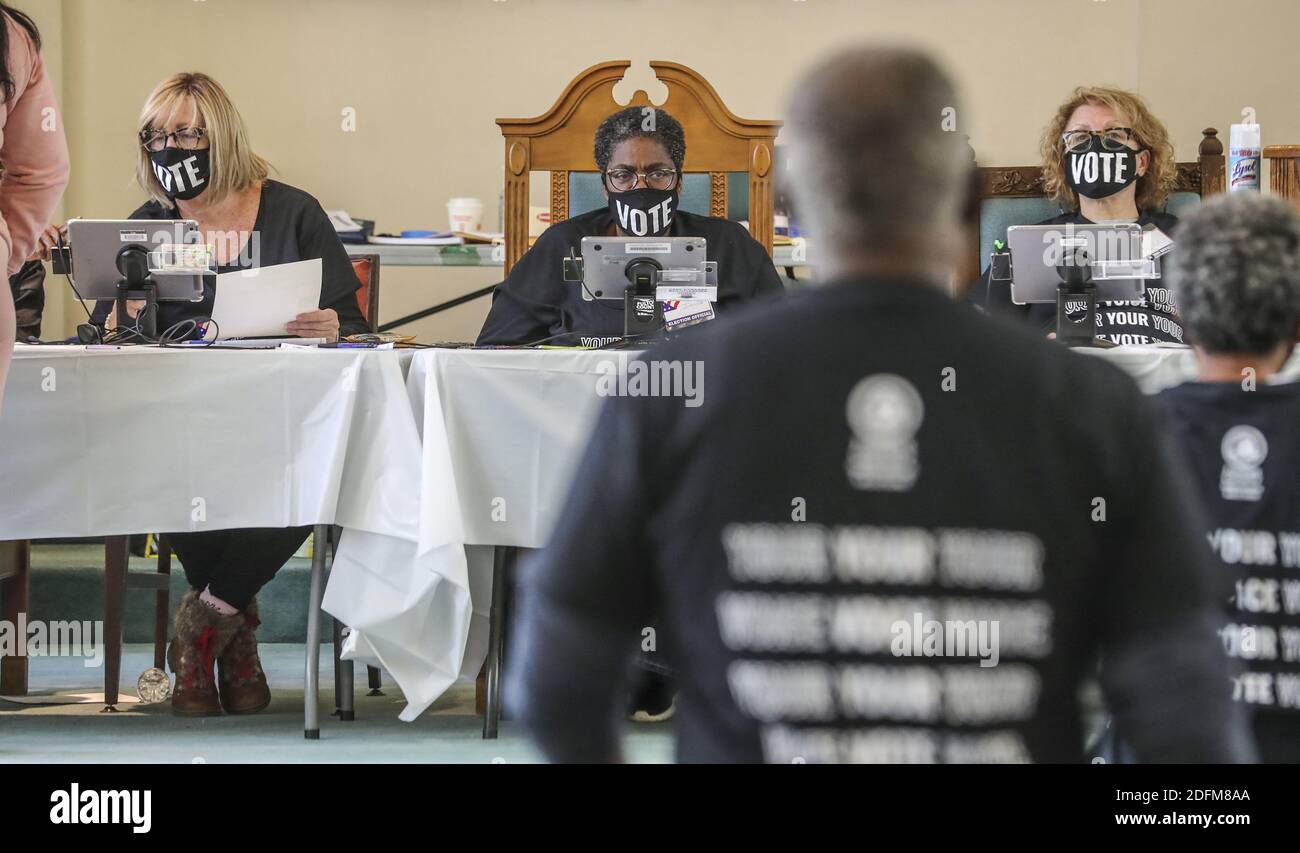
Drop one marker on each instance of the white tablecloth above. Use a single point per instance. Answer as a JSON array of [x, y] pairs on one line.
[[100, 443], [425, 460], [124, 441], [499, 433]]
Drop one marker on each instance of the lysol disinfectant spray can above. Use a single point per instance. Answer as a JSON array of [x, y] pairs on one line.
[[1243, 158]]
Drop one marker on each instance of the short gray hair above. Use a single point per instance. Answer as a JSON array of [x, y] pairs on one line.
[[634, 122], [1236, 273], [873, 154]]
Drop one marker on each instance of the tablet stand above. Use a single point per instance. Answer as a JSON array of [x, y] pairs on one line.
[[137, 283], [147, 320], [1075, 272], [643, 313]]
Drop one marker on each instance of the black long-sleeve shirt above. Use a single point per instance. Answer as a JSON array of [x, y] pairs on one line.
[[290, 226], [1151, 319], [865, 465], [1241, 448], [535, 302]]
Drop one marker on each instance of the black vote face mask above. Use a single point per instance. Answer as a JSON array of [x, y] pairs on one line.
[[644, 212], [183, 174], [1098, 173]]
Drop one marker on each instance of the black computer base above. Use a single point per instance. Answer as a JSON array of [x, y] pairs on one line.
[[1076, 333]]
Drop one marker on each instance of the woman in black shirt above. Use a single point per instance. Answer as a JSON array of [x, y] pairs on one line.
[[641, 170], [1106, 158], [196, 163]]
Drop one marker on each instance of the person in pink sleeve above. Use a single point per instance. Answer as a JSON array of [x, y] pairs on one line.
[[33, 153]]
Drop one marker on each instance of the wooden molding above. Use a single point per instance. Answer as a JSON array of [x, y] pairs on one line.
[[718, 194], [559, 196], [1188, 179], [1284, 171], [1010, 181]]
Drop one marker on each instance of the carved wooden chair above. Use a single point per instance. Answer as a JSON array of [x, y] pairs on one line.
[[728, 158], [1013, 195]]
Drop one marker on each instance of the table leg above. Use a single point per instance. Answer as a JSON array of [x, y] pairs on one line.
[[162, 604], [344, 707], [311, 692], [15, 591], [117, 551], [496, 613]]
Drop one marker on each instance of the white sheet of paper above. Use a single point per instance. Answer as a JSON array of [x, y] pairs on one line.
[[260, 301]]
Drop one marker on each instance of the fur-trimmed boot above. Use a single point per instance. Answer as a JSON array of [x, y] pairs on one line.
[[240, 679], [202, 634]]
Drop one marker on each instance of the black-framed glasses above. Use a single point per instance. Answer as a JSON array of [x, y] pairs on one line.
[[622, 180], [187, 138], [1112, 138]]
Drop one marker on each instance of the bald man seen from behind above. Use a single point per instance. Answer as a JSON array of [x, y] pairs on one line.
[[885, 528]]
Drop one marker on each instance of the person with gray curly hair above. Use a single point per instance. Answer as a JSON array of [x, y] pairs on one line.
[[1236, 275], [640, 157]]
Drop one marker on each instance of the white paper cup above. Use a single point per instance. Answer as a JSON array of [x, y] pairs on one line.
[[465, 214]]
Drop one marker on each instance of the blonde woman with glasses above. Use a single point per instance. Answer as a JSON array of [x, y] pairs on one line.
[[195, 162], [1105, 158]]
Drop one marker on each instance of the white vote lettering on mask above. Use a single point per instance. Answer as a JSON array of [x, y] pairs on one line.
[[171, 175], [641, 223], [193, 174], [1087, 167]]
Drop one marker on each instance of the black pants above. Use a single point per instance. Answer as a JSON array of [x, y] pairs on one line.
[[236, 563]]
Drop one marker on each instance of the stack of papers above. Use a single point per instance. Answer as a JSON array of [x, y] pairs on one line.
[[481, 236], [259, 302], [439, 238]]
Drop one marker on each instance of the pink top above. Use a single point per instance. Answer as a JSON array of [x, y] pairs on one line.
[[33, 150]]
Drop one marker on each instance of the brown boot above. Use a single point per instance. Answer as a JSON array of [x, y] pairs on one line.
[[202, 634], [241, 681]]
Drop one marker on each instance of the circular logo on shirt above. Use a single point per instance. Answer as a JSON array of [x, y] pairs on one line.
[[884, 411], [885, 407], [1244, 448]]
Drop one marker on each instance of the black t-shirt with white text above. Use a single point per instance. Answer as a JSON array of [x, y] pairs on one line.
[[1242, 448], [881, 531]]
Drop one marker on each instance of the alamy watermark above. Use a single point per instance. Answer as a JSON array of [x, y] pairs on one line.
[[36, 639], [636, 377], [921, 637]]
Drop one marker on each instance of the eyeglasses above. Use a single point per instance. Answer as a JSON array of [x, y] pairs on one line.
[[187, 138], [1112, 138], [622, 180]]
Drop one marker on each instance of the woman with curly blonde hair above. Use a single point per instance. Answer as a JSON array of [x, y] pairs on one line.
[[1105, 158]]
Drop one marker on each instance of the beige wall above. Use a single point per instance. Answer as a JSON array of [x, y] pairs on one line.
[[427, 79]]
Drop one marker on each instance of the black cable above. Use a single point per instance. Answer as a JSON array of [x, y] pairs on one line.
[[171, 336]]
